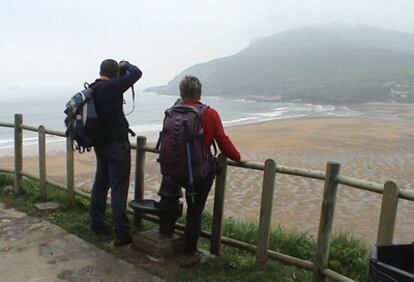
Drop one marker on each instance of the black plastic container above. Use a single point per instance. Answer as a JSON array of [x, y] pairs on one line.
[[391, 263]]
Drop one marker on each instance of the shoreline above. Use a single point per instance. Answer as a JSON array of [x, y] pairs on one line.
[[152, 136]]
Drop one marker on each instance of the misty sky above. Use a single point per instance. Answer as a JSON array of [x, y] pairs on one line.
[[61, 43]]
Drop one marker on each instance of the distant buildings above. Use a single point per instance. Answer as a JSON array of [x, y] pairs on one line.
[[402, 92]]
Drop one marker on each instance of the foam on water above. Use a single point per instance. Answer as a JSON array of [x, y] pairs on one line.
[[45, 106]]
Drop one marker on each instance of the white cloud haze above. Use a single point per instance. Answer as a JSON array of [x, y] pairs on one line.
[[61, 43]]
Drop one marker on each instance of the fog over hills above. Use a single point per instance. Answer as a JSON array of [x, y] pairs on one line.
[[333, 63]]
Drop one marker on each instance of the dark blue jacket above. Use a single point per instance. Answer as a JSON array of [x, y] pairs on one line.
[[109, 100]]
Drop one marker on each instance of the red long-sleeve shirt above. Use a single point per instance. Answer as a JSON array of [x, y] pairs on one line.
[[213, 129]]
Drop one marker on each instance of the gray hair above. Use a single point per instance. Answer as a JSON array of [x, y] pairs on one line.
[[190, 88]]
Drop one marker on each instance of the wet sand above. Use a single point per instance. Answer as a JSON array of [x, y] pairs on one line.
[[376, 146]]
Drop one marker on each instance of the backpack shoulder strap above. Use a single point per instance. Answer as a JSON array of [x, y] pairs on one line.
[[94, 85], [214, 147], [203, 108], [166, 114]]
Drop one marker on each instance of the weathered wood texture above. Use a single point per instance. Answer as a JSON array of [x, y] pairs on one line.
[[388, 214], [18, 152], [219, 195], [265, 213], [42, 161], [326, 222], [70, 170], [139, 175]]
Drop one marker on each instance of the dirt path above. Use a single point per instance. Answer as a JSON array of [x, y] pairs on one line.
[[32, 249]]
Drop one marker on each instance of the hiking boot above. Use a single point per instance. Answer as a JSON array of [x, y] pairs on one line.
[[104, 229], [190, 260], [122, 239]]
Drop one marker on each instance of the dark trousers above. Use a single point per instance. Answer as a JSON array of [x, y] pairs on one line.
[[194, 211], [113, 163], [170, 192]]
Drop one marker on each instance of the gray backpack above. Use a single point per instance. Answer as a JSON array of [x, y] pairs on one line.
[[81, 121]]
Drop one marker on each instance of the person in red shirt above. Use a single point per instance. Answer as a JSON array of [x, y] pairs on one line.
[[213, 130], [190, 92]]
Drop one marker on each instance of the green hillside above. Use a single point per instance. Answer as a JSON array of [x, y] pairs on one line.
[[334, 63]]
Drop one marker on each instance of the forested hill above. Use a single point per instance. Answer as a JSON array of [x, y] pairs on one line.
[[333, 63]]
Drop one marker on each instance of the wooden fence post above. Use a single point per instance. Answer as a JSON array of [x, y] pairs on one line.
[[70, 170], [219, 193], [18, 152], [265, 213], [139, 175], [42, 161], [388, 213], [326, 221]]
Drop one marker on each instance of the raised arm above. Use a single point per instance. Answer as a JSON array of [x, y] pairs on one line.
[[132, 74], [223, 141]]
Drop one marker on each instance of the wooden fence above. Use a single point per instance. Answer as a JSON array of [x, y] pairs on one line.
[[331, 177]]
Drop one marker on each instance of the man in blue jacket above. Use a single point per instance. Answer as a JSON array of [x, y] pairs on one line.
[[113, 159]]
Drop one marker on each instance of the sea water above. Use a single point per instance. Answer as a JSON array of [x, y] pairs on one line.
[[45, 106]]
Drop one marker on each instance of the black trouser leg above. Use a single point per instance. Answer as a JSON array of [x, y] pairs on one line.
[[99, 190], [113, 168], [194, 211], [170, 212], [119, 164], [169, 205]]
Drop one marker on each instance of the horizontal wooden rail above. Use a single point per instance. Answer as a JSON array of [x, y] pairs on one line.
[[276, 255], [345, 180], [32, 176], [281, 257], [243, 245], [5, 124], [63, 188], [30, 128], [250, 165], [364, 185], [5, 170], [290, 260], [301, 172], [34, 129], [372, 187], [260, 166], [406, 194], [314, 174], [51, 182], [55, 132], [151, 150], [336, 276]]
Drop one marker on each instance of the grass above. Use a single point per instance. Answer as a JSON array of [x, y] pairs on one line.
[[348, 255]]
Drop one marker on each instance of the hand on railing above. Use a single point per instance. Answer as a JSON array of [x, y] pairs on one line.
[[242, 160]]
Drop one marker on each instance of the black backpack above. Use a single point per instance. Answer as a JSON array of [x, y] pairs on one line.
[[182, 126], [81, 121]]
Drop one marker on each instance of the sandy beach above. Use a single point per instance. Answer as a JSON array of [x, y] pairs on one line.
[[377, 145]]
